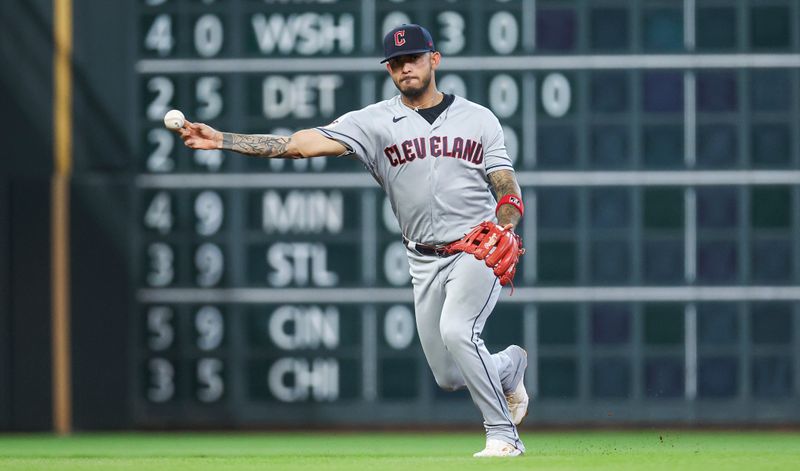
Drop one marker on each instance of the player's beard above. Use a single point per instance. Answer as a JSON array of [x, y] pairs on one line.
[[415, 92]]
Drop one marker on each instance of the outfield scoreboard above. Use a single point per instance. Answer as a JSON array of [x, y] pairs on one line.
[[657, 146]]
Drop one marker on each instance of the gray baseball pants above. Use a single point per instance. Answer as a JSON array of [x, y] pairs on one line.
[[453, 298]]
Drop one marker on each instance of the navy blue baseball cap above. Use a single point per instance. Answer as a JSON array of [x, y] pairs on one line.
[[406, 39]]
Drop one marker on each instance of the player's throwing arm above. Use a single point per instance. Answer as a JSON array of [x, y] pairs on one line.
[[302, 144], [496, 244]]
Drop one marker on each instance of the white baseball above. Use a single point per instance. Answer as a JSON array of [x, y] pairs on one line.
[[174, 119]]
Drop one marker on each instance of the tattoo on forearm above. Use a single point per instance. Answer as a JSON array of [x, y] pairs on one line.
[[504, 183], [508, 214], [259, 145]]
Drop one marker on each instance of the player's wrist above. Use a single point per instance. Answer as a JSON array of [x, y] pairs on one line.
[[511, 200]]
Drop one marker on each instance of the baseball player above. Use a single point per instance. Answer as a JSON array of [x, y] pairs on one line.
[[436, 155]]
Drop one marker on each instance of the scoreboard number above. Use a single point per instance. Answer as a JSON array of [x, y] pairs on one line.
[[504, 96], [159, 36], [556, 95], [503, 32], [210, 385], [162, 380], [208, 35], [161, 265], [210, 328], [399, 327], [209, 213], [158, 216], [451, 35], [159, 159], [164, 91], [209, 97], [160, 329], [209, 262]]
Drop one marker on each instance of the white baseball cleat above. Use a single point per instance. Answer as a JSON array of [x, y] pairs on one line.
[[498, 449], [518, 397]]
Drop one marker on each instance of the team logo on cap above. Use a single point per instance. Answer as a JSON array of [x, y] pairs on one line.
[[399, 38]]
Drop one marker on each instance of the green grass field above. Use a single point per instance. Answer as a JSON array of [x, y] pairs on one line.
[[653, 449]]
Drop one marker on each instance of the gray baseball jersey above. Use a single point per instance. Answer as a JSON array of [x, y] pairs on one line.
[[436, 175]]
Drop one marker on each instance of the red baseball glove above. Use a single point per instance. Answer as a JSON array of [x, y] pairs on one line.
[[499, 247]]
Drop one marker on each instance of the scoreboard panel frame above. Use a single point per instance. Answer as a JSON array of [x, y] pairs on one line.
[[541, 69]]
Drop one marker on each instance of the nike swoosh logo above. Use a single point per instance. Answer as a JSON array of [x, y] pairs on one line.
[[394, 120]]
